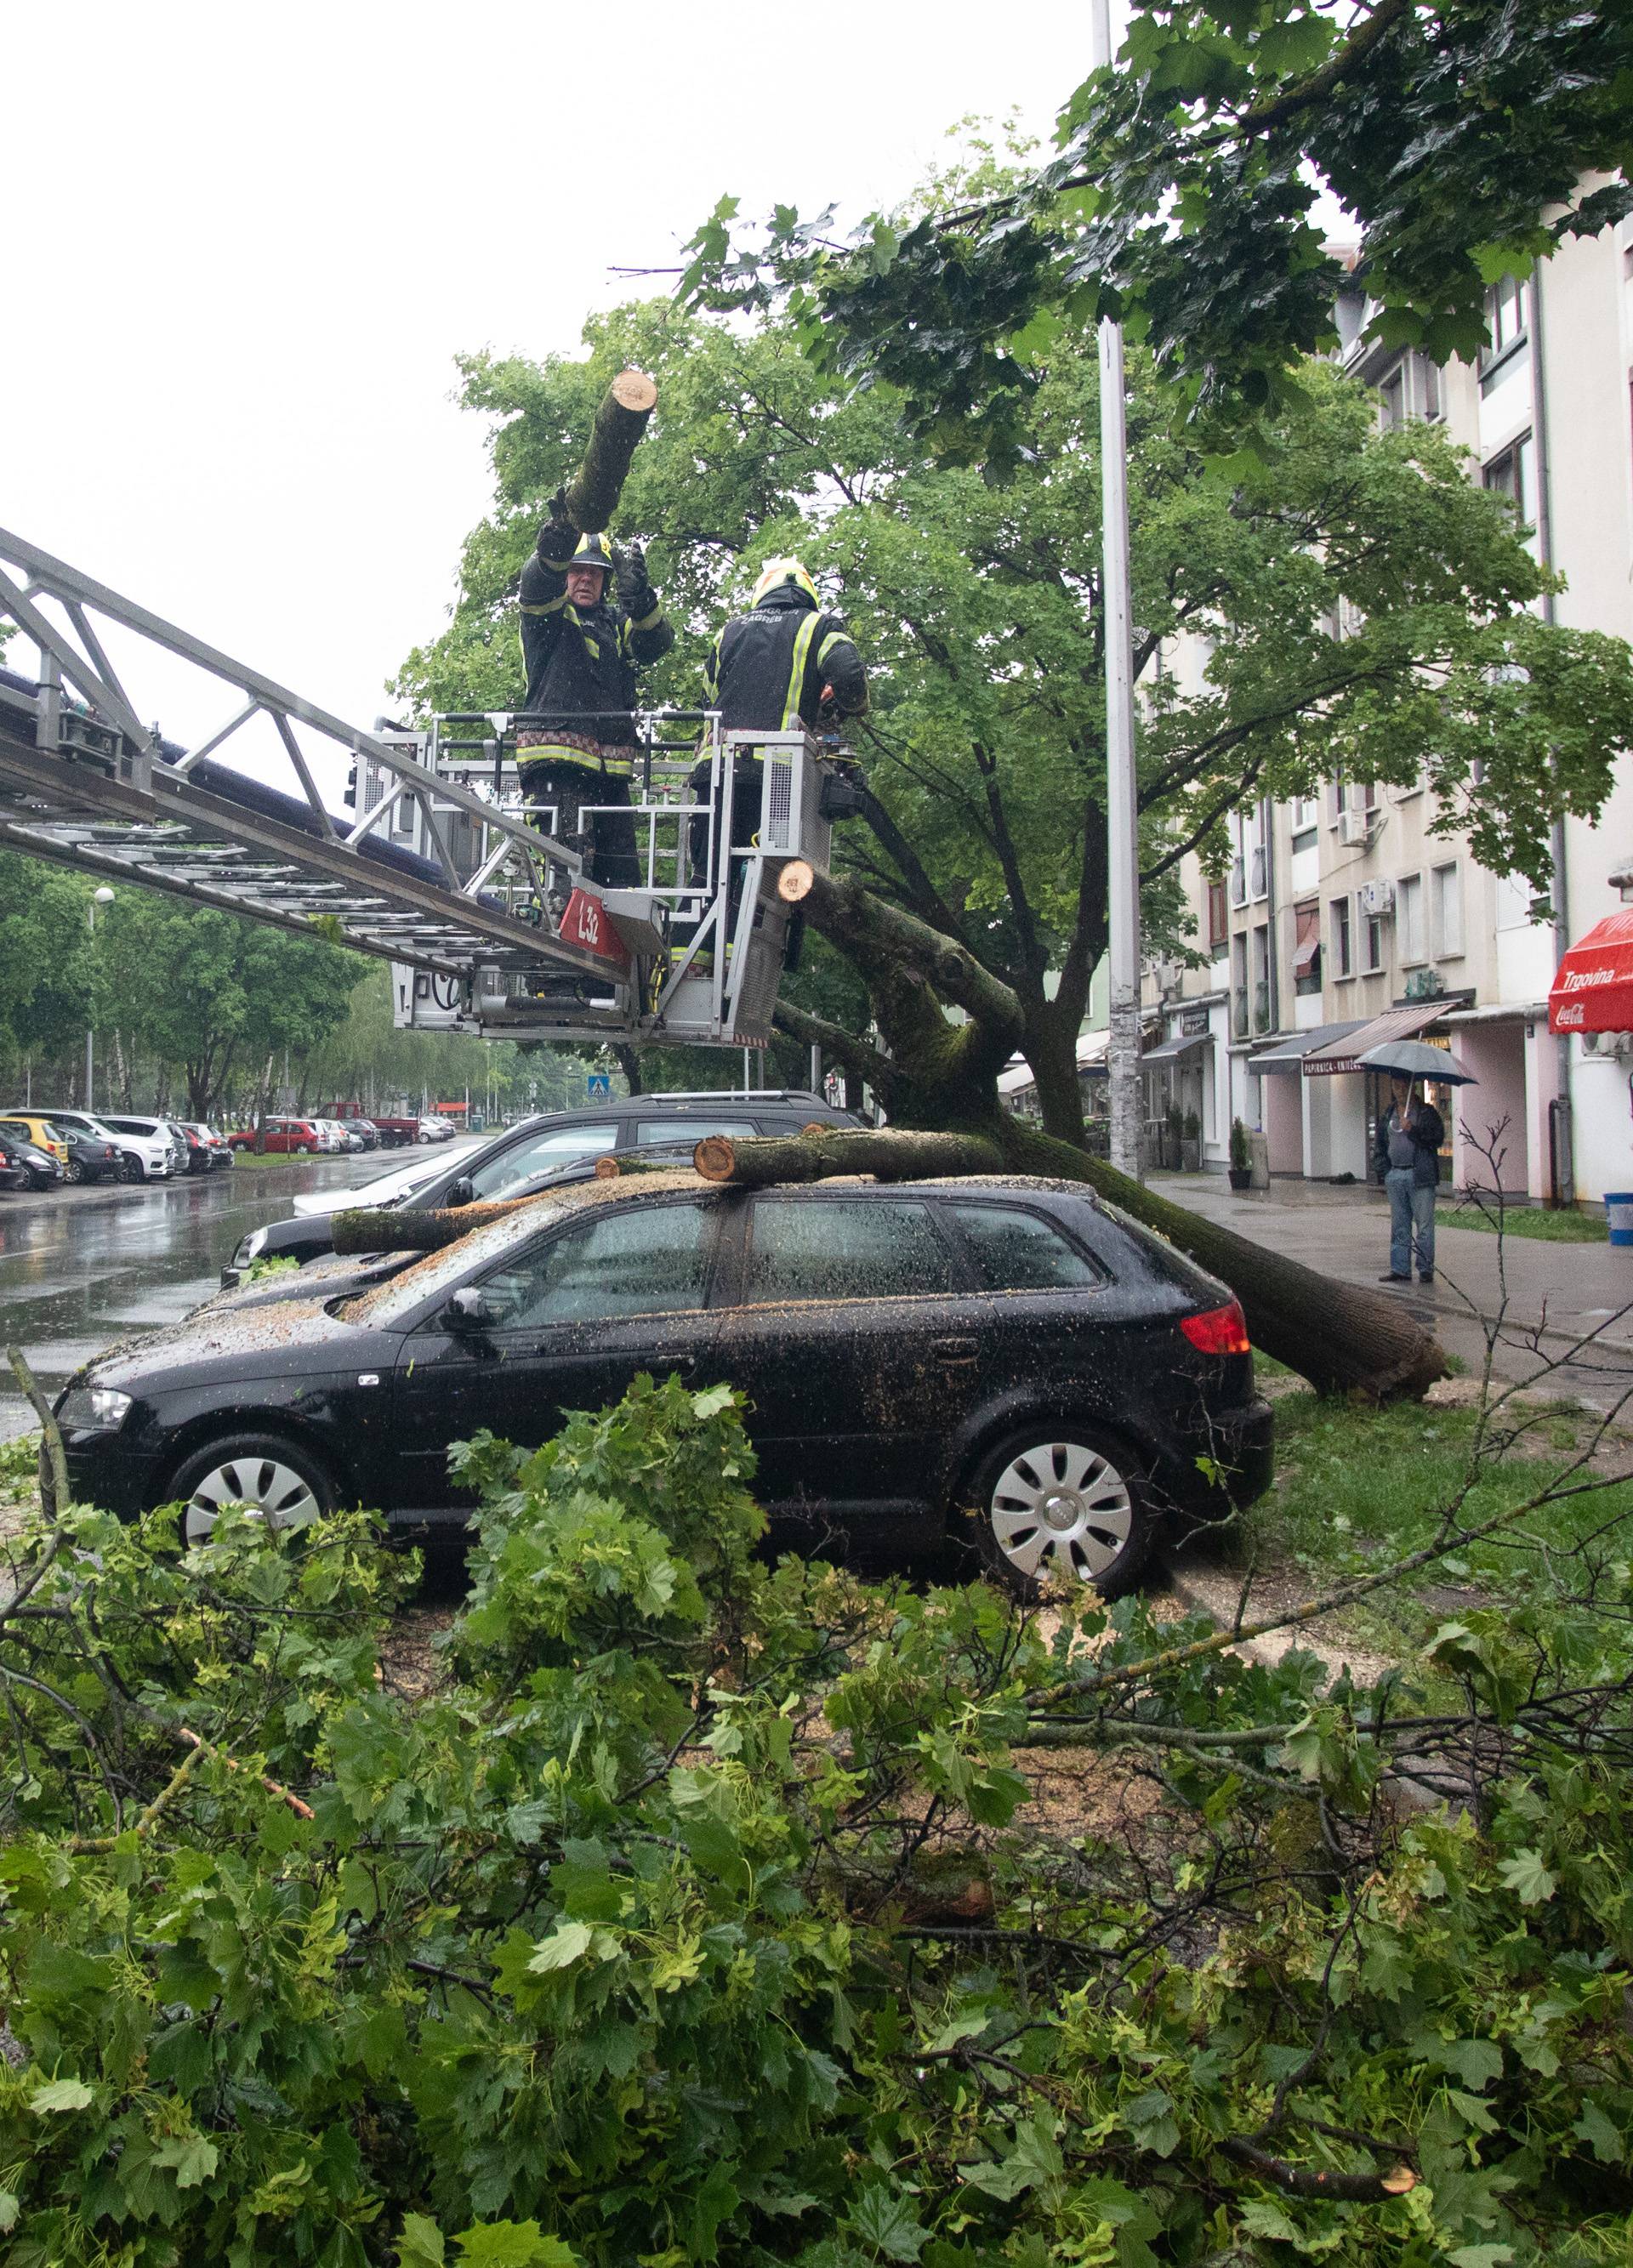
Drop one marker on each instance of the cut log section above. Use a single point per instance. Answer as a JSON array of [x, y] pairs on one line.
[[820, 1152], [794, 881], [593, 491]]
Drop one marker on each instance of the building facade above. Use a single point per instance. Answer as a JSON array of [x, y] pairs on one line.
[[1346, 908]]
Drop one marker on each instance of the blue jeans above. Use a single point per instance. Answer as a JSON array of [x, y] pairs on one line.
[[1411, 1221]]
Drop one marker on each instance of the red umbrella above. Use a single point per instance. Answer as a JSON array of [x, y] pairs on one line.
[[1592, 990]]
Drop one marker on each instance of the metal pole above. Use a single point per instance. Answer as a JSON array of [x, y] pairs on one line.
[[1123, 1043], [91, 924]]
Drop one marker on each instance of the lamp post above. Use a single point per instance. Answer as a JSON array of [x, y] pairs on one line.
[[102, 897]]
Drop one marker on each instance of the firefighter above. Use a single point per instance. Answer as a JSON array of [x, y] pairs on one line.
[[783, 664], [581, 653]]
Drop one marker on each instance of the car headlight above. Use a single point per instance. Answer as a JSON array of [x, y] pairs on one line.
[[248, 1247], [93, 1409]]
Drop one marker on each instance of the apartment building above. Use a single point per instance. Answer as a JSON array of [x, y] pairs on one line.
[[1345, 919]]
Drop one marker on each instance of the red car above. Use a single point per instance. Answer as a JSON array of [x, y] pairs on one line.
[[284, 1138]]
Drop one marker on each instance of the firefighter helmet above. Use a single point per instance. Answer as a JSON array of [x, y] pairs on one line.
[[776, 573], [592, 551]]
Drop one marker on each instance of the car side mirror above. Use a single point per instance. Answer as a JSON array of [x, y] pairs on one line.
[[461, 1192], [469, 1312]]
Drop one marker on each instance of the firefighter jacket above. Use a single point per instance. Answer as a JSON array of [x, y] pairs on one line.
[[581, 668], [767, 669]]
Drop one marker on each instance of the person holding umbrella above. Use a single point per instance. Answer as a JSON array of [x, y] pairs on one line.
[[1406, 1154], [1407, 1151]]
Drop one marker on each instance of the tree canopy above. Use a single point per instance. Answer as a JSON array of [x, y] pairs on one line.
[[1467, 138], [979, 609]]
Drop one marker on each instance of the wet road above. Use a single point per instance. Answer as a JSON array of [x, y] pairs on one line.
[[83, 1267]]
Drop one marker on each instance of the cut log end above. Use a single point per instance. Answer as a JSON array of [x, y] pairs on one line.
[[633, 389], [714, 1158], [607, 1169], [795, 880]]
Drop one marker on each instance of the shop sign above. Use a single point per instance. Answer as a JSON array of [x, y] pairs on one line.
[[1193, 1023]]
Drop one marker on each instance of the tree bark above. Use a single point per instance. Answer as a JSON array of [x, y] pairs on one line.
[[386, 1229], [943, 1076], [894, 1154], [594, 489]]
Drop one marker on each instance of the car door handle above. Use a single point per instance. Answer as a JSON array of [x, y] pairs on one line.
[[954, 1350], [682, 1364]]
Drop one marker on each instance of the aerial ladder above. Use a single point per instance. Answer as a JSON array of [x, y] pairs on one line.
[[490, 924]]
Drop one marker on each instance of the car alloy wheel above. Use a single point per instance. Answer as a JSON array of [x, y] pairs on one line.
[[73, 1171], [1060, 1505], [130, 1168], [269, 1478]]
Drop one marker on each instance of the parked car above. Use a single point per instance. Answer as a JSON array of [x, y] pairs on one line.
[[397, 1133], [23, 1166], [217, 1153], [91, 1157], [896, 1406], [35, 1127], [194, 1147], [149, 1150], [524, 1159], [436, 1130], [295, 1138], [365, 1131]]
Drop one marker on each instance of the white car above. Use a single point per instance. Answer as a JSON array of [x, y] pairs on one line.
[[386, 1189], [150, 1150], [435, 1130]]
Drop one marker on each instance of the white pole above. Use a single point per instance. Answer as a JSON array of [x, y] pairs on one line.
[[1123, 1043]]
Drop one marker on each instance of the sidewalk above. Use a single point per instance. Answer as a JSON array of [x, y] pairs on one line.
[[1561, 1292]]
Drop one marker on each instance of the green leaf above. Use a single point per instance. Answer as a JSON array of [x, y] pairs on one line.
[[886, 2222], [1528, 1878], [61, 2094], [712, 1401], [1602, 2137], [567, 1942], [420, 2245], [10, 2207], [191, 2157], [513, 2244], [1481, 2255]]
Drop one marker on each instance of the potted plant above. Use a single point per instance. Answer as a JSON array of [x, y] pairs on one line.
[[1241, 1170], [1190, 1143], [1173, 1136]]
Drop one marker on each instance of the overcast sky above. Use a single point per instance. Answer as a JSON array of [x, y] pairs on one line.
[[244, 246]]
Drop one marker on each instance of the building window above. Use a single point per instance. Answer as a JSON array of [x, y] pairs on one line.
[[1261, 977], [1366, 795], [1335, 800], [1307, 948], [1409, 917], [1306, 811], [1338, 926], [1505, 321], [1393, 407], [1446, 912], [1218, 918], [1514, 474], [1371, 944], [1410, 388], [1239, 985]]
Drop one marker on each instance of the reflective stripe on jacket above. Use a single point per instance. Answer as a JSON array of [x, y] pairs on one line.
[[767, 669]]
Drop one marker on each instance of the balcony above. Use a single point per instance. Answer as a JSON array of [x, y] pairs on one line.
[[1261, 1005], [1239, 1012]]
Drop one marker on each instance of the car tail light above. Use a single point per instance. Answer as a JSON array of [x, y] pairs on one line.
[[1220, 1330]]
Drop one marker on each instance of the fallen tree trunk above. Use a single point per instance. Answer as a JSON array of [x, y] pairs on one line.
[[1344, 1338], [385, 1229], [892, 1154], [593, 491]]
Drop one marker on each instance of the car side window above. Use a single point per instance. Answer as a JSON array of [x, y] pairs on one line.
[[653, 1261], [559, 1147], [651, 1130], [844, 1249], [1017, 1251]]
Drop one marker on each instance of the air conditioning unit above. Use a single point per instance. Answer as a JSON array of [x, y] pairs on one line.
[[1168, 975], [1376, 897], [1355, 830]]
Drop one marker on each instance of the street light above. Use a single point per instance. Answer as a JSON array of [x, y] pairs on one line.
[[102, 897]]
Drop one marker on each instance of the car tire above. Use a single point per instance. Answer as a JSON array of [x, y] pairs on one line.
[[74, 1172], [131, 1168], [1062, 1501], [281, 1481]]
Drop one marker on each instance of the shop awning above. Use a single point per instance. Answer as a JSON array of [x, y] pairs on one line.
[[1593, 991], [1017, 1074], [1394, 1024], [1289, 1055], [1171, 1050]]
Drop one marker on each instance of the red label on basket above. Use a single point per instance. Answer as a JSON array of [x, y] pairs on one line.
[[585, 923]]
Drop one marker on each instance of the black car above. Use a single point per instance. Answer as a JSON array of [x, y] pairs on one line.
[[534, 1155], [1006, 1363], [90, 1157], [16, 1172]]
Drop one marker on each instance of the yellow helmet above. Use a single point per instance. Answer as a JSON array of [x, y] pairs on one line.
[[592, 551], [776, 572]]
